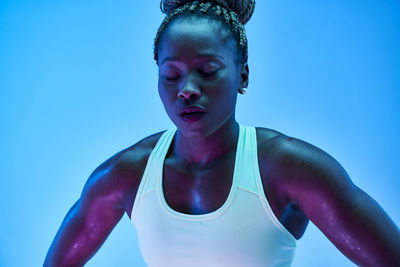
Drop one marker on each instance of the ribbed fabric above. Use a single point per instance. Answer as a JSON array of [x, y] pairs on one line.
[[242, 232]]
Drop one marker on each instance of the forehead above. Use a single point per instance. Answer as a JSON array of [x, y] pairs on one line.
[[188, 38]]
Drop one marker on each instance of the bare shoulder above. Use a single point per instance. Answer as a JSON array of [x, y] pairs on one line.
[[299, 167], [280, 142], [319, 186], [100, 206], [264, 135], [269, 144], [290, 151], [128, 162], [134, 158], [119, 176], [304, 169]]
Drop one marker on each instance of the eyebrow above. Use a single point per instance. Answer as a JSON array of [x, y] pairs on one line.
[[199, 56]]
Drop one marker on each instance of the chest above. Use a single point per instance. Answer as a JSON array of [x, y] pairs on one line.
[[194, 190], [199, 191]]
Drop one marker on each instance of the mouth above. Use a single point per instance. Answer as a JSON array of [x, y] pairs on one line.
[[192, 113], [192, 116]]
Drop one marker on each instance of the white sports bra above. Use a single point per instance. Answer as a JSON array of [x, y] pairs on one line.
[[242, 232]]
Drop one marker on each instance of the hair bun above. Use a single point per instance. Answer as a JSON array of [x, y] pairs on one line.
[[243, 8]]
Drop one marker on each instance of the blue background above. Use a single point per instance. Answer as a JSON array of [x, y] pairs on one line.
[[78, 84]]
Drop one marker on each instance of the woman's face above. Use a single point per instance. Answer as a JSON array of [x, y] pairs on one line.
[[197, 68]]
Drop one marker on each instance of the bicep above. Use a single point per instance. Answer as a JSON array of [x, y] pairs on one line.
[[352, 220], [357, 226], [86, 225]]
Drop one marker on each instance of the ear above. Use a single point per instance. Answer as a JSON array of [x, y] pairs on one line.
[[244, 75]]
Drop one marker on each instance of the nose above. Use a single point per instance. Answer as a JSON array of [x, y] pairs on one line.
[[189, 90]]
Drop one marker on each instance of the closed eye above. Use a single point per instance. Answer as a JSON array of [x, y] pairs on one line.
[[208, 74], [171, 78]]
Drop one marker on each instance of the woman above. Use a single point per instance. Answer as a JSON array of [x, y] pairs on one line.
[[212, 192]]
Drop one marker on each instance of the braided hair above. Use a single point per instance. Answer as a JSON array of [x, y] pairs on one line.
[[233, 13]]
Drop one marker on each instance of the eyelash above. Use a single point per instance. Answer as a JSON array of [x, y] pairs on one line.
[[203, 73], [170, 79], [209, 74]]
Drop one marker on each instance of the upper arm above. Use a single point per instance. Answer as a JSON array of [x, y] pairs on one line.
[[90, 220], [350, 218]]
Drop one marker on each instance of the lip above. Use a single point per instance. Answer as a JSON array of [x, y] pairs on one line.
[[192, 117], [190, 109]]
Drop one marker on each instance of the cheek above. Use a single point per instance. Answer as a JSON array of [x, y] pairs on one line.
[[166, 96], [161, 90], [224, 101], [230, 93], [226, 90]]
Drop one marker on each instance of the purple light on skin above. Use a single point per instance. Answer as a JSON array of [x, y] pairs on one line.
[[197, 200]]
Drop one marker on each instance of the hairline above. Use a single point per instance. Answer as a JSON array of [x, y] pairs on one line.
[[211, 19]]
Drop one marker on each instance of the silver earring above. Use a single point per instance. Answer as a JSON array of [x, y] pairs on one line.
[[243, 90]]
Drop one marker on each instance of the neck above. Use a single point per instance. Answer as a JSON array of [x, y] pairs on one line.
[[203, 151]]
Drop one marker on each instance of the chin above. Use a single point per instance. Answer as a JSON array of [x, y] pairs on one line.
[[193, 130]]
